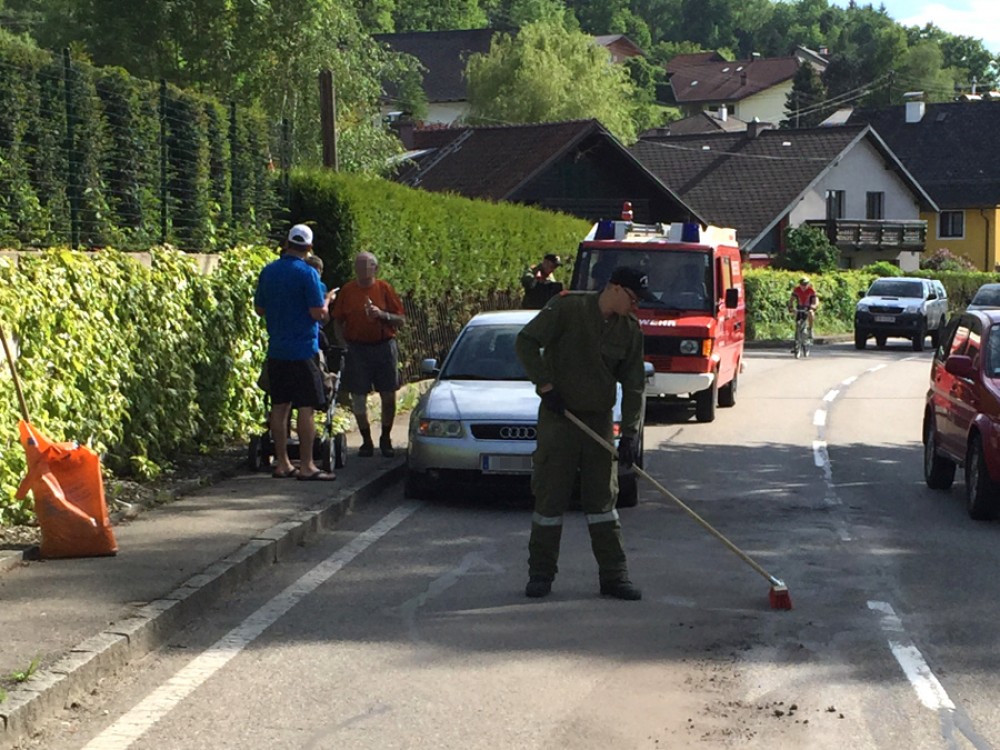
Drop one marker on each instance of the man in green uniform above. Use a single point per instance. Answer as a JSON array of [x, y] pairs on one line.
[[574, 351]]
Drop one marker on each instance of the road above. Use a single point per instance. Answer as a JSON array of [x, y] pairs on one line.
[[407, 626]]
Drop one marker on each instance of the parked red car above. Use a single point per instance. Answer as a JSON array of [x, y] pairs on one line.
[[962, 416]]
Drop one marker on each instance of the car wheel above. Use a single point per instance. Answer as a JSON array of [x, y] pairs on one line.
[[628, 490], [981, 491], [918, 339], [705, 401], [880, 341], [939, 472], [727, 393], [936, 336], [860, 338]]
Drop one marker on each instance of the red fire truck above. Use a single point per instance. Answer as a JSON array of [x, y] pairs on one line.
[[694, 331]]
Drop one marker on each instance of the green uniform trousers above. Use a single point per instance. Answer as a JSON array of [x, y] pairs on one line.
[[564, 453]]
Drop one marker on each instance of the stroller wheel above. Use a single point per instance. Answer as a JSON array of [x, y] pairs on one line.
[[325, 457], [257, 453], [339, 450]]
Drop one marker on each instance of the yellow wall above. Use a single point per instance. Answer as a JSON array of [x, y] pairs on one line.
[[979, 243]]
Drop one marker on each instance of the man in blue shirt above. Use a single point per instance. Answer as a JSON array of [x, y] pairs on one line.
[[290, 298]]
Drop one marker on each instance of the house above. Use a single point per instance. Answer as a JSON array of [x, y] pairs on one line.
[[846, 181], [950, 148], [703, 122], [748, 89], [444, 55], [576, 167]]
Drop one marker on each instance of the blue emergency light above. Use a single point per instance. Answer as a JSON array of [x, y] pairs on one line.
[[605, 230], [690, 233]]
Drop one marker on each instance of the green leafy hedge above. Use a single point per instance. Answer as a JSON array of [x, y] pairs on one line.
[[87, 142], [140, 362]]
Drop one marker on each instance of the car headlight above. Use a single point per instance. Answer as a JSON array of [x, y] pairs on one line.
[[689, 346], [440, 428], [913, 308], [862, 307]]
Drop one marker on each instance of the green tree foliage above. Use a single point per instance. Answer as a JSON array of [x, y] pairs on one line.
[[549, 73], [808, 249], [438, 15], [805, 103]]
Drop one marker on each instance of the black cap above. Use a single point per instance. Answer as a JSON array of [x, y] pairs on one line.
[[553, 258], [634, 279]]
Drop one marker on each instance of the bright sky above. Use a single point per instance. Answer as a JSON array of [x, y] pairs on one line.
[[976, 18]]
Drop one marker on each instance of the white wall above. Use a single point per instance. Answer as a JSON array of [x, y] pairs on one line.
[[767, 105]]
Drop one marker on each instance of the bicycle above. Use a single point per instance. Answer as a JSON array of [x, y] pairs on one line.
[[803, 336]]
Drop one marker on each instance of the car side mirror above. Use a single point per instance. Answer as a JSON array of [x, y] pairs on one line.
[[429, 367], [861, 295], [959, 365], [732, 298], [650, 371]]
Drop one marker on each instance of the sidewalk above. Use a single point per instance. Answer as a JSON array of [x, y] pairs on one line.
[[85, 618]]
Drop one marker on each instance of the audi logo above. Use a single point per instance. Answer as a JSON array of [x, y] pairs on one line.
[[517, 433]]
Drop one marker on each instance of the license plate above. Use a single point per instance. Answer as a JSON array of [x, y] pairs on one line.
[[504, 464], [885, 319]]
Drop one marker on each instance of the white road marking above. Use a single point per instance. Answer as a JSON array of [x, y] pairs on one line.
[[819, 418], [849, 380], [930, 692], [831, 396], [820, 457], [876, 368], [164, 699]]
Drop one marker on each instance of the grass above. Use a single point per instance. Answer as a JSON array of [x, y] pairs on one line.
[[22, 675]]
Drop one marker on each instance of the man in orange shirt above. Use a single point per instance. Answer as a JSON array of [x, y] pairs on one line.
[[366, 315]]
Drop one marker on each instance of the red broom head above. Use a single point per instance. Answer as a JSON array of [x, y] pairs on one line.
[[779, 597]]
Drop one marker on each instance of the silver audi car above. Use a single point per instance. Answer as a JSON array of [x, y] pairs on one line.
[[475, 426]]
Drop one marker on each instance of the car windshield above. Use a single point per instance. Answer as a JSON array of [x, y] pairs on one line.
[[896, 288], [993, 353], [485, 352], [678, 280], [988, 296]]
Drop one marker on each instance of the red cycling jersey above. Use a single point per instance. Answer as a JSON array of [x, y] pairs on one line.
[[805, 295]]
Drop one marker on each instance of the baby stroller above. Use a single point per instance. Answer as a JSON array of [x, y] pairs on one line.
[[329, 449]]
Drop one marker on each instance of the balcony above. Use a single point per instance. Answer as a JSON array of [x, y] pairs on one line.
[[872, 234]]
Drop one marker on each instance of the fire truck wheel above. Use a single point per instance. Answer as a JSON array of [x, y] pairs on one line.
[[727, 393], [705, 401]]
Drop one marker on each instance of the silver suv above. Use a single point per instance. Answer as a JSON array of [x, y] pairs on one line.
[[901, 307]]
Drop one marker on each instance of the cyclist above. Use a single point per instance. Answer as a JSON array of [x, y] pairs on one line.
[[804, 298]]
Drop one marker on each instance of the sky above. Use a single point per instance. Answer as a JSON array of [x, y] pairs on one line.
[[976, 18]]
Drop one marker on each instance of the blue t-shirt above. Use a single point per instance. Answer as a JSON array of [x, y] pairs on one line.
[[286, 289]]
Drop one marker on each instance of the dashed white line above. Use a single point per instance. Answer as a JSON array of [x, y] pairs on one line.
[[876, 368], [849, 380], [161, 701], [831, 396], [820, 457], [819, 418], [930, 692]]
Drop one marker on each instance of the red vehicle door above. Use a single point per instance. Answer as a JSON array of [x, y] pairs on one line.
[[952, 413]]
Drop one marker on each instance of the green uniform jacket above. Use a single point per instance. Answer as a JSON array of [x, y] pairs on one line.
[[571, 345]]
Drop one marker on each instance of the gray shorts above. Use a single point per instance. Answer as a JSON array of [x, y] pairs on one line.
[[369, 367]]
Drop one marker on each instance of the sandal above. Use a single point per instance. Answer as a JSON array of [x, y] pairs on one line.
[[284, 474], [319, 476]]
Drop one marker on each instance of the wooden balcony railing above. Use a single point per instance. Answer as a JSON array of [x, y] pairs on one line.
[[856, 234]]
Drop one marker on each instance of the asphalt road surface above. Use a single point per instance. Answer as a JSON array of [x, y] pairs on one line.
[[407, 626]]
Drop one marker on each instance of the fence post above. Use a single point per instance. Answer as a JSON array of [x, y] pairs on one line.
[[328, 119], [163, 161], [72, 180]]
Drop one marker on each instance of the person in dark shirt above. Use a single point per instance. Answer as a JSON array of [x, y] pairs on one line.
[[539, 285]]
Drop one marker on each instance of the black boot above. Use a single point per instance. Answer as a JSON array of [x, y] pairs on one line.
[[367, 449], [622, 589], [538, 586], [385, 445]]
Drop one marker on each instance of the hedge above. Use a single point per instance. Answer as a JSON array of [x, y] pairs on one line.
[[141, 363], [80, 159]]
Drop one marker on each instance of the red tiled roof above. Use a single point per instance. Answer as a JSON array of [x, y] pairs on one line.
[[729, 81]]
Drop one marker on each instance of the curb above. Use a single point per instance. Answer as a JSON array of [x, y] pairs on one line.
[[145, 629]]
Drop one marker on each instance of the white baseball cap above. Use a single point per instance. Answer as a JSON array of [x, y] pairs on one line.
[[300, 234]]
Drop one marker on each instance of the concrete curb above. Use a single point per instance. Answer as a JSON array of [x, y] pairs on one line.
[[149, 626]]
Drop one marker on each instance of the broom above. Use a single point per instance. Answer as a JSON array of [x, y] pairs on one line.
[[13, 372], [778, 596]]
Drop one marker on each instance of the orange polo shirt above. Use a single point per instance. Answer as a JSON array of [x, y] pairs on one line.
[[349, 310]]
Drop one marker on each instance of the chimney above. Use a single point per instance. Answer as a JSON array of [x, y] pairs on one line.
[[743, 78], [915, 106], [723, 112], [755, 127]]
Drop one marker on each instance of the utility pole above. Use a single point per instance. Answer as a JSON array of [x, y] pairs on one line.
[[328, 119]]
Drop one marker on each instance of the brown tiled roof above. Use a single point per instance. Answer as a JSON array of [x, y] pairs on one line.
[[703, 122], [683, 62], [952, 150], [444, 55], [748, 183], [729, 81], [502, 162]]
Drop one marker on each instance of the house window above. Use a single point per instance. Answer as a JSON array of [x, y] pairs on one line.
[[834, 204], [875, 206], [951, 224]]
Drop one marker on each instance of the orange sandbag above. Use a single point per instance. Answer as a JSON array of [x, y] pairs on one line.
[[65, 480]]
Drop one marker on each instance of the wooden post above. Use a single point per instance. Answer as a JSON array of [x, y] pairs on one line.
[[328, 119]]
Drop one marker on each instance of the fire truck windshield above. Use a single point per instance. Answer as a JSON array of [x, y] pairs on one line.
[[679, 280]]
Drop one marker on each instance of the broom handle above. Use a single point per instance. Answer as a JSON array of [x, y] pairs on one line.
[[13, 372], [669, 495]]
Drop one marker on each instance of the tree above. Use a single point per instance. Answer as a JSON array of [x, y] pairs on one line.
[[548, 73], [439, 15], [805, 103], [808, 249]]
